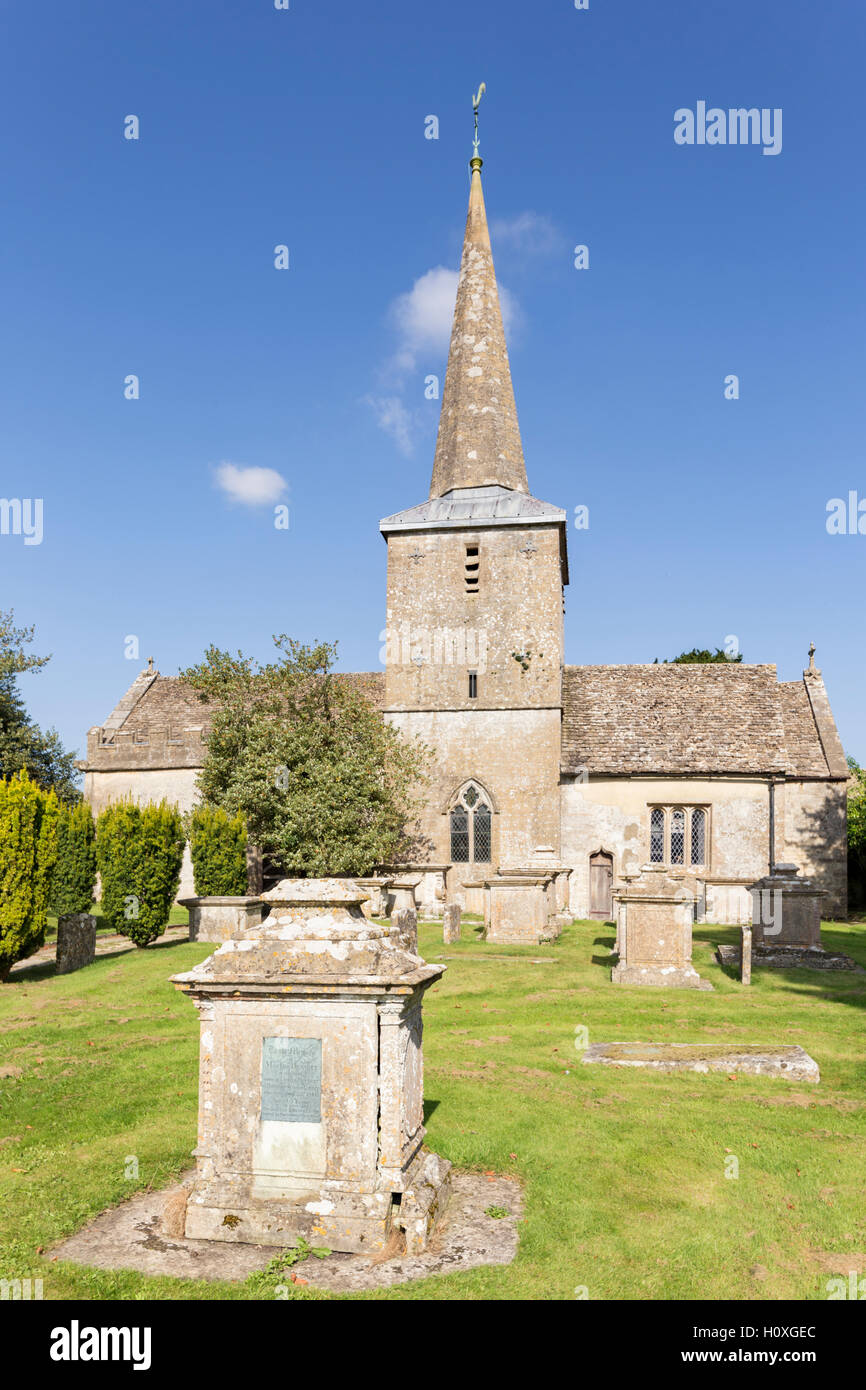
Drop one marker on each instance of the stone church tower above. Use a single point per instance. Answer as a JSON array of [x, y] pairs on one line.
[[474, 630], [714, 772]]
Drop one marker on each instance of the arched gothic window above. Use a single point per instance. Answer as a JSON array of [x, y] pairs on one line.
[[471, 826]]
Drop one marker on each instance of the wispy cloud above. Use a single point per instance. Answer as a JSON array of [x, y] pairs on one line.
[[395, 420], [251, 487], [422, 317], [528, 234]]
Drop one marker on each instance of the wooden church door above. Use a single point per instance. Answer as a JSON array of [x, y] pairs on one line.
[[601, 887]]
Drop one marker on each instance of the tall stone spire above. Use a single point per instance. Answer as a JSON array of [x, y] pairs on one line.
[[479, 438]]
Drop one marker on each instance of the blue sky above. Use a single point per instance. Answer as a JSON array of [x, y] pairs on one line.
[[306, 128]]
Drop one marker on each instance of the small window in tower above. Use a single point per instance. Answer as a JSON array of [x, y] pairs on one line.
[[473, 685], [471, 566]]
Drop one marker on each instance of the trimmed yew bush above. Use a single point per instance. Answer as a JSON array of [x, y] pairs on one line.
[[75, 869], [28, 850], [218, 845], [139, 852]]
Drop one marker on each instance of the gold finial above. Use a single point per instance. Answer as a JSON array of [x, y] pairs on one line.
[[476, 102]]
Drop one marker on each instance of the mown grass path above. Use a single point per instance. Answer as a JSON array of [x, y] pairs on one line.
[[624, 1171]]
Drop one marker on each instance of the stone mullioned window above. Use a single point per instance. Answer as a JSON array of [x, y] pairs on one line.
[[679, 836]]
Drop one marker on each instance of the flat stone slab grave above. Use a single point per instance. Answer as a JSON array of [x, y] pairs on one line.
[[755, 1059], [130, 1237], [789, 958]]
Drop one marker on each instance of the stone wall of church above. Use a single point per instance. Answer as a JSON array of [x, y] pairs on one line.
[[509, 631], [613, 814], [174, 784], [813, 835], [514, 756]]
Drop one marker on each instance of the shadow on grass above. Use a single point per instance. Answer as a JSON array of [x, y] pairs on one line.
[[609, 942], [44, 969]]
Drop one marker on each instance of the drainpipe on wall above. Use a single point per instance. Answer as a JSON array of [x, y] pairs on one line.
[[772, 790]]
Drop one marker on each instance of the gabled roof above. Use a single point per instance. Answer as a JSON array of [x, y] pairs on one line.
[[689, 719], [805, 752], [156, 703]]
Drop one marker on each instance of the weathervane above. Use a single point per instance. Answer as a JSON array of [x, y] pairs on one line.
[[476, 102]]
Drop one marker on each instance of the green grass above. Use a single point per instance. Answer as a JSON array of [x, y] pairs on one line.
[[178, 917], [623, 1171]]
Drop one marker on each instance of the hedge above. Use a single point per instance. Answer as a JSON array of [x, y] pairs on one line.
[[75, 870], [218, 846], [28, 850], [139, 851]]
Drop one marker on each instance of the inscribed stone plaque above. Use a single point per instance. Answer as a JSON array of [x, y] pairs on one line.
[[292, 1080]]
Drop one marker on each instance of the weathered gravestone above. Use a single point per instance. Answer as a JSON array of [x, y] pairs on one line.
[[311, 1080], [786, 909], [405, 925], [746, 955], [76, 942], [786, 925], [451, 923], [655, 913]]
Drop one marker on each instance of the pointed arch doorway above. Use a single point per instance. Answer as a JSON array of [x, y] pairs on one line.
[[601, 886]]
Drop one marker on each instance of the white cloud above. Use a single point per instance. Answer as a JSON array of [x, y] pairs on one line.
[[422, 317], [393, 417], [528, 234], [252, 487]]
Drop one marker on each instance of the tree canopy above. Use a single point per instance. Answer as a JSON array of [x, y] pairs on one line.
[[325, 785], [700, 656], [23, 745], [857, 831]]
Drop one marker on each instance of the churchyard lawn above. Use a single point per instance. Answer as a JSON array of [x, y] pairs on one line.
[[624, 1171]]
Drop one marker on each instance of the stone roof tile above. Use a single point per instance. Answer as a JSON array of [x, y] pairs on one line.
[[672, 719]]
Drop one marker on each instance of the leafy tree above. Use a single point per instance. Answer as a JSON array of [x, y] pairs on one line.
[[28, 850], [139, 851], [857, 832], [698, 656], [23, 745], [218, 846], [326, 786], [75, 870]]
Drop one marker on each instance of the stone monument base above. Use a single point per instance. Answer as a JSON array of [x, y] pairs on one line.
[[145, 1233], [664, 976], [339, 1217], [219, 919], [789, 958]]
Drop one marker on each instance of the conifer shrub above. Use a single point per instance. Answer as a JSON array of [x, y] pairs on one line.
[[218, 846], [139, 852], [28, 850], [74, 876]]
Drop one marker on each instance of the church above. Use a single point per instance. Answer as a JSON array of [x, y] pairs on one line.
[[711, 772]]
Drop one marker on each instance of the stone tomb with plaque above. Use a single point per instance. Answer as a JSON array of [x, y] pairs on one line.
[[311, 1081]]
